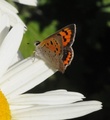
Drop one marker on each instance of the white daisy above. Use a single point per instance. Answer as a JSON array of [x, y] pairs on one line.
[[58, 104], [26, 74]]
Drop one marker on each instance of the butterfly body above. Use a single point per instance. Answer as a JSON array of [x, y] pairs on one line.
[[56, 50]]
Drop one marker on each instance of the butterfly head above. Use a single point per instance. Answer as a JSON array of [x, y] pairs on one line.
[[37, 43]]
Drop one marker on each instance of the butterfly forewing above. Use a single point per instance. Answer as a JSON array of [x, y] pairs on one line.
[[50, 50]]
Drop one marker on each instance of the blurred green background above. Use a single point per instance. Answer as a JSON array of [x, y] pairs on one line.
[[89, 72]]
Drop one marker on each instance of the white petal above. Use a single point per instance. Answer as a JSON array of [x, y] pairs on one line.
[[10, 47], [4, 27], [13, 17], [6, 5], [17, 107], [27, 2], [58, 112], [47, 99], [17, 58], [24, 76]]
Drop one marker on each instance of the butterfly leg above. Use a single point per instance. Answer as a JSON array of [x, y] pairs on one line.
[[33, 56]]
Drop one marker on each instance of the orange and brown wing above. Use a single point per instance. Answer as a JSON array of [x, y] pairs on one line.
[[57, 47], [68, 36]]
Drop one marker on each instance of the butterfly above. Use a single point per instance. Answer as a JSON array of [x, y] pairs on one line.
[[56, 50]]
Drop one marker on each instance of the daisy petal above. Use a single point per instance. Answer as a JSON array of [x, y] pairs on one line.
[[17, 58], [30, 74], [10, 47], [7, 6], [48, 98], [27, 2], [58, 112], [4, 27]]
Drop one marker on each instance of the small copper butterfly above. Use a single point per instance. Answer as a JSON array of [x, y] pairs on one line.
[[56, 50]]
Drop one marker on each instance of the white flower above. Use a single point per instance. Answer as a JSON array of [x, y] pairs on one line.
[[26, 74]]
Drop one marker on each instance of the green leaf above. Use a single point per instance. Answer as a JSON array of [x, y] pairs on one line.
[[106, 9]]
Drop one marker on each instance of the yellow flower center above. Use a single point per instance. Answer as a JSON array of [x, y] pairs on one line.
[[5, 113]]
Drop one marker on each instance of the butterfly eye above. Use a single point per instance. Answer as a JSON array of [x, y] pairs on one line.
[[36, 43]]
